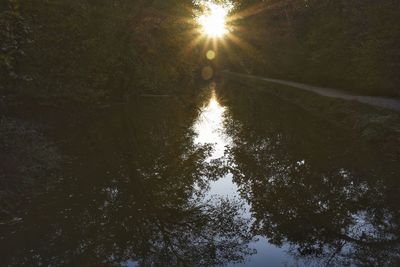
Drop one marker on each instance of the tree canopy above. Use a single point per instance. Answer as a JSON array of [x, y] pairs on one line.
[[102, 50]]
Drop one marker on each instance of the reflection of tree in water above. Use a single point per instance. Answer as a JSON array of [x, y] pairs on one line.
[[133, 195], [311, 186]]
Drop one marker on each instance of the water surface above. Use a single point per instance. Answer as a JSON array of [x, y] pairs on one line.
[[235, 178]]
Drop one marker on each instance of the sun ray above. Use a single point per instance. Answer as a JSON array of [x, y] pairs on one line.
[[194, 42], [240, 42]]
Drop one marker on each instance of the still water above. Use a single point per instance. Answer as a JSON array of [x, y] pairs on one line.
[[234, 177]]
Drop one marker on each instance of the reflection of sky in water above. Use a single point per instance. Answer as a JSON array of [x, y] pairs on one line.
[[209, 128]]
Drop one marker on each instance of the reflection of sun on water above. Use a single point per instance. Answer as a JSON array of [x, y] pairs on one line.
[[210, 130], [209, 127], [213, 104]]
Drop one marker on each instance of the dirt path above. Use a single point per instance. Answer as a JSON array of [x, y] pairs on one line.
[[382, 102]]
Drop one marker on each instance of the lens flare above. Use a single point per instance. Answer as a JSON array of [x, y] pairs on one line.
[[207, 73], [210, 55]]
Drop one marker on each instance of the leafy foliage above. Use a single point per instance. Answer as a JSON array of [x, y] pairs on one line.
[[14, 32], [97, 50], [349, 43]]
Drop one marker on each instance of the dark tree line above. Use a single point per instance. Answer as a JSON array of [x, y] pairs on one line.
[[94, 50], [351, 44], [102, 50]]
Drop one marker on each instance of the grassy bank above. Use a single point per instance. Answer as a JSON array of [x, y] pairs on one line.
[[375, 125]]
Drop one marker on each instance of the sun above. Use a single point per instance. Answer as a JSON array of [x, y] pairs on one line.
[[213, 21]]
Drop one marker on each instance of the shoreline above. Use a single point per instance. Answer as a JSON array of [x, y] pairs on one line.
[[375, 125]]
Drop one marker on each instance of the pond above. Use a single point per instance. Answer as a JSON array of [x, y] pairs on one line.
[[238, 178]]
